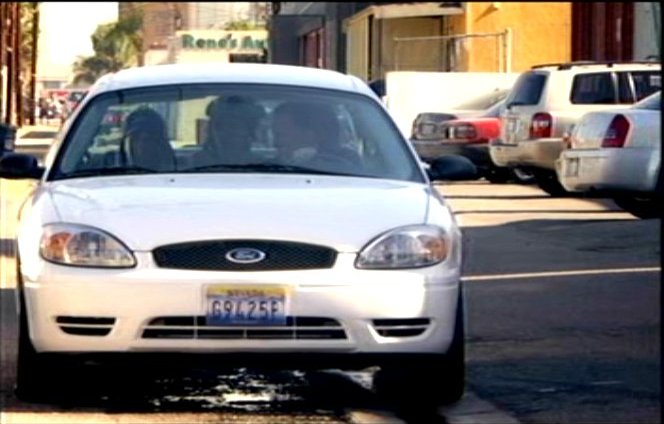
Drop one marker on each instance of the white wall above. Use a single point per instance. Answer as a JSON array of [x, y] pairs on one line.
[[155, 57], [410, 93], [647, 17]]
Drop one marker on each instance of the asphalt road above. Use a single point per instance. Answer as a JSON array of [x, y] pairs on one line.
[[563, 326], [563, 305]]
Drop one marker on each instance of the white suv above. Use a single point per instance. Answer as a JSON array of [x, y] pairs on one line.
[[548, 100]]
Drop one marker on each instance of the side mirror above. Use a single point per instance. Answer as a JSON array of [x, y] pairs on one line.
[[7, 139], [452, 168], [15, 166]]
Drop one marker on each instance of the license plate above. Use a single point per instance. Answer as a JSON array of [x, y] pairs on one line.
[[513, 126], [427, 130], [246, 305], [572, 169]]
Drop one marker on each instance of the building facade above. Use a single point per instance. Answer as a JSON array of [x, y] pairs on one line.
[[372, 38], [167, 27], [200, 46]]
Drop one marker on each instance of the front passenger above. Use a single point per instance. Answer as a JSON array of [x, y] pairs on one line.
[[146, 143]]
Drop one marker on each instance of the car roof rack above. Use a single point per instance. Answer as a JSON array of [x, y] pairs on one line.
[[608, 63]]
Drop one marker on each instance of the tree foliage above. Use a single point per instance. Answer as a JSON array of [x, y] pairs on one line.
[[242, 26], [117, 46], [28, 21]]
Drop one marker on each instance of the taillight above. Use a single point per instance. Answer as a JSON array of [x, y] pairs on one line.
[[541, 124], [463, 131], [616, 134]]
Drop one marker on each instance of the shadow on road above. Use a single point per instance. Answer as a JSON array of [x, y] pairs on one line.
[[545, 245], [546, 211], [611, 385], [181, 387], [498, 197]]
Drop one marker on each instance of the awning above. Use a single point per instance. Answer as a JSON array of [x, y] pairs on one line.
[[410, 10]]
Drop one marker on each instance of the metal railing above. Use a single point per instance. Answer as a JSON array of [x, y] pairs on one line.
[[446, 51]]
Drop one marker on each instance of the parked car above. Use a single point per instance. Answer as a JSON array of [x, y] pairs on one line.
[[548, 99], [36, 135], [338, 252], [35, 140], [618, 153], [74, 98], [465, 130]]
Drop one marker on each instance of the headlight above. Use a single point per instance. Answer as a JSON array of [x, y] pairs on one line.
[[407, 247], [78, 245]]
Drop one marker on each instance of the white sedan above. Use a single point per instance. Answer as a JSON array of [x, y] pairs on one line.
[[246, 209], [618, 153]]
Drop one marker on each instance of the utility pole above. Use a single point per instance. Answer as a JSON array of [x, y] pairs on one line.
[[10, 14], [33, 64], [4, 77], [18, 83]]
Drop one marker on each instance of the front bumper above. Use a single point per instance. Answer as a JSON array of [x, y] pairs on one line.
[[539, 153], [126, 302], [608, 170]]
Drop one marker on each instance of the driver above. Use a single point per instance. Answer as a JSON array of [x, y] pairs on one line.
[[309, 133], [146, 142]]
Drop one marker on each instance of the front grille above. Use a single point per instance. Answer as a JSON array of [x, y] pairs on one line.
[[401, 327], [85, 326], [211, 256], [178, 327]]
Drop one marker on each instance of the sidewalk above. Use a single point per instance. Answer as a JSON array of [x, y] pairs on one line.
[[12, 194]]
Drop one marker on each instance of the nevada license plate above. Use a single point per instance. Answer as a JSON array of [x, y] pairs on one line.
[[246, 305]]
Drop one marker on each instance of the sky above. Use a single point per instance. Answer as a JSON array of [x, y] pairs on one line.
[[65, 30]]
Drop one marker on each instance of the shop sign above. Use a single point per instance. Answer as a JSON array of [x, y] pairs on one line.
[[229, 41]]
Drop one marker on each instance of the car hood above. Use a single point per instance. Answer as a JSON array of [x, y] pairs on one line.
[[148, 211]]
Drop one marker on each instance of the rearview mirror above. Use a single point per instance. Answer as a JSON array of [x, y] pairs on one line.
[[15, 166]]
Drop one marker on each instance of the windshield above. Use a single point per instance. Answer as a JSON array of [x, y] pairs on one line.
[[484, 101], [652, 102], [527, 89], [221, 128]]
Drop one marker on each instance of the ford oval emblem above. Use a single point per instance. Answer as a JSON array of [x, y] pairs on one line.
[[245, 255]]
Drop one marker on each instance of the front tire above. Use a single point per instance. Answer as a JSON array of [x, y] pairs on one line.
[[523, 176], [39, 377], [497, 175], [32, 370], [419, 381]]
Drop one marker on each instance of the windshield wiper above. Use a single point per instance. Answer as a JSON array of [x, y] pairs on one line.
[[262, 167], [117, 170]]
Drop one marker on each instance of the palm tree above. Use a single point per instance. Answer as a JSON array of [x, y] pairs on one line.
[[117, 45], [242, 26], [28, 55]]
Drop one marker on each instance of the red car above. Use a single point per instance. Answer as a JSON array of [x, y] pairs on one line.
[[462, 132]]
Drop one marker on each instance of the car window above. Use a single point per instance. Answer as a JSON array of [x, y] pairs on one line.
[[593, 88], [527, 89], [653, 102], [646, 83], [625, 92], [484, 101], [222, 127]]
